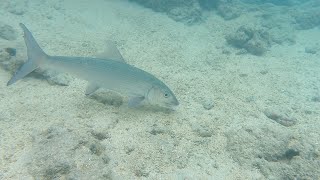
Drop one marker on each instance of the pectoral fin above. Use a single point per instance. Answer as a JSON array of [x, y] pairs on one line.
[[135, 101], [91, 88]]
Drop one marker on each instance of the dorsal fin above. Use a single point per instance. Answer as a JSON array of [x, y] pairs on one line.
[[111, 52]]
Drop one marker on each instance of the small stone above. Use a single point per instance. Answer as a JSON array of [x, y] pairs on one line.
[[158, 129], [85, 44], [106, 159], [282, 119], [290, 153], [311, 50], [208, 104], [96, 148], [129, 149], [243, 75], [263, 72], [204, 132], [11, 51], [250, 99], [315, 99], [215, 165], [100, 135]]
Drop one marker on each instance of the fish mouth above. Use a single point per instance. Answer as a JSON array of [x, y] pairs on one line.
[[172, 105], [175, 102]]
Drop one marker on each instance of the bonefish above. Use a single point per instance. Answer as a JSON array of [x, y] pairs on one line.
[[108, 73]]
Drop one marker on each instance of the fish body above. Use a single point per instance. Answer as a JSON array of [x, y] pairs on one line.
[[111, 74]]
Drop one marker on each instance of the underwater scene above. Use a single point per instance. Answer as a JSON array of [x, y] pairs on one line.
[[160, 89]]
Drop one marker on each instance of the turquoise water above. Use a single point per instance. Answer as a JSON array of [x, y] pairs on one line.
[[245, 72]]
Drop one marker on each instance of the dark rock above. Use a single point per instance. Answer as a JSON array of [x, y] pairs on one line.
[[308, 18], [254, 40], [312, 49], [290, 153], [186, 11], [11, 51], [275, 2], [286, 156]]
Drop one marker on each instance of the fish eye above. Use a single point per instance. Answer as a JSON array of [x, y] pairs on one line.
[[166, 95]]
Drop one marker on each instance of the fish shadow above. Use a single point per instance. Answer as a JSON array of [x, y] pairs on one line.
[[110, 98], [107, 98]]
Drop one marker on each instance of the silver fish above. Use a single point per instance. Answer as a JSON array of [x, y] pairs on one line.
[[111, 74]]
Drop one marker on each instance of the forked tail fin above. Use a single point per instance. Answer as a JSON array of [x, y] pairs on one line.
[[35, 56]]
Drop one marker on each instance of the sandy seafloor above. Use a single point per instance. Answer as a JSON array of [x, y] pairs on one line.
[[56, 132]]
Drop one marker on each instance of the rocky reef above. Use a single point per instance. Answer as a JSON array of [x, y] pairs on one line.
[[191, 11], [253, 40]]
